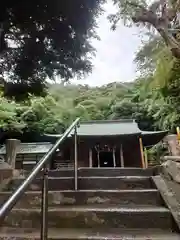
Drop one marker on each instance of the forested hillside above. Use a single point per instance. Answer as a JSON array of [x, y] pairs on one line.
[[154, 108]]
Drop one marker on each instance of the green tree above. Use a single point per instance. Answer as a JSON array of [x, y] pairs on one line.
[[159, 15], [44, 39], [10, 119], [148, 55]]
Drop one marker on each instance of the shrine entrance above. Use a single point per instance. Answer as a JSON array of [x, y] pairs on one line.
[[106, 159], [104, 156]]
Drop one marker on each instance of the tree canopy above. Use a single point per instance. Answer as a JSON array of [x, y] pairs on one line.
[[163, 16], [44, 39]]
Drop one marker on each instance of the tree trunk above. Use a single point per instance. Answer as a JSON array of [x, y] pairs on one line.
[[170, 41], [161, 22]]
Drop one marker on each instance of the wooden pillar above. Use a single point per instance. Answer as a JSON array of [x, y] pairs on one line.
[[146, 157], [142, 152], [121, 156], [114, 158], [90, 158], [98, 159], [178, 134], [75, 160]]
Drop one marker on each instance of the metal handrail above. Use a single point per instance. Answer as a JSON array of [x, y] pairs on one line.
[[9, 204]]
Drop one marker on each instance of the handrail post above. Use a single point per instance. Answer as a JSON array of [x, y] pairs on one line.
[[14, 198], [44, 204], [75, 160]]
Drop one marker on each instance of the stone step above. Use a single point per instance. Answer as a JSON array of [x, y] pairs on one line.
[[123, 182], [93, 217], [85, 234], [97, 172], [103, 197], [114, 172]]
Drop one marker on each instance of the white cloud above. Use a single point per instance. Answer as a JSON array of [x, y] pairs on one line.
[[115, 52]]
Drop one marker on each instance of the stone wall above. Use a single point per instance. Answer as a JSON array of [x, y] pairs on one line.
[[171, 168], [6, 174], [173, 145]]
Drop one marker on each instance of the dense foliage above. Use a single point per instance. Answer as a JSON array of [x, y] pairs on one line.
[[53, 113]]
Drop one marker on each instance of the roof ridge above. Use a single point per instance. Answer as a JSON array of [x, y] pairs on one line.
[[108, 121]]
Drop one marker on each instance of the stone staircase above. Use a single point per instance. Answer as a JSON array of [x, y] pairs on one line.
[[113, 203]]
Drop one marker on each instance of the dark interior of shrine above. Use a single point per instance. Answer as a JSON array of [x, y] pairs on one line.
[[106, 159]]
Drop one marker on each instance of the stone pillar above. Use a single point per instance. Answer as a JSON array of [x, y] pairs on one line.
[[6, 174], [173, 145], [12, 146]]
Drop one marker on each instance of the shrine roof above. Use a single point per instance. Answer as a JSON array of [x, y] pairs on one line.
[[108, 128], [100, 128]]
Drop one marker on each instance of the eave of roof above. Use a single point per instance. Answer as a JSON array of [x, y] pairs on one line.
[[152, 138]]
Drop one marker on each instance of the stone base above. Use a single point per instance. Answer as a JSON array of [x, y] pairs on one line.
[[171, 170], [6, 174]]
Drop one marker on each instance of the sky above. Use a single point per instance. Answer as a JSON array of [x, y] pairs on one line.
[[114, 52]]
